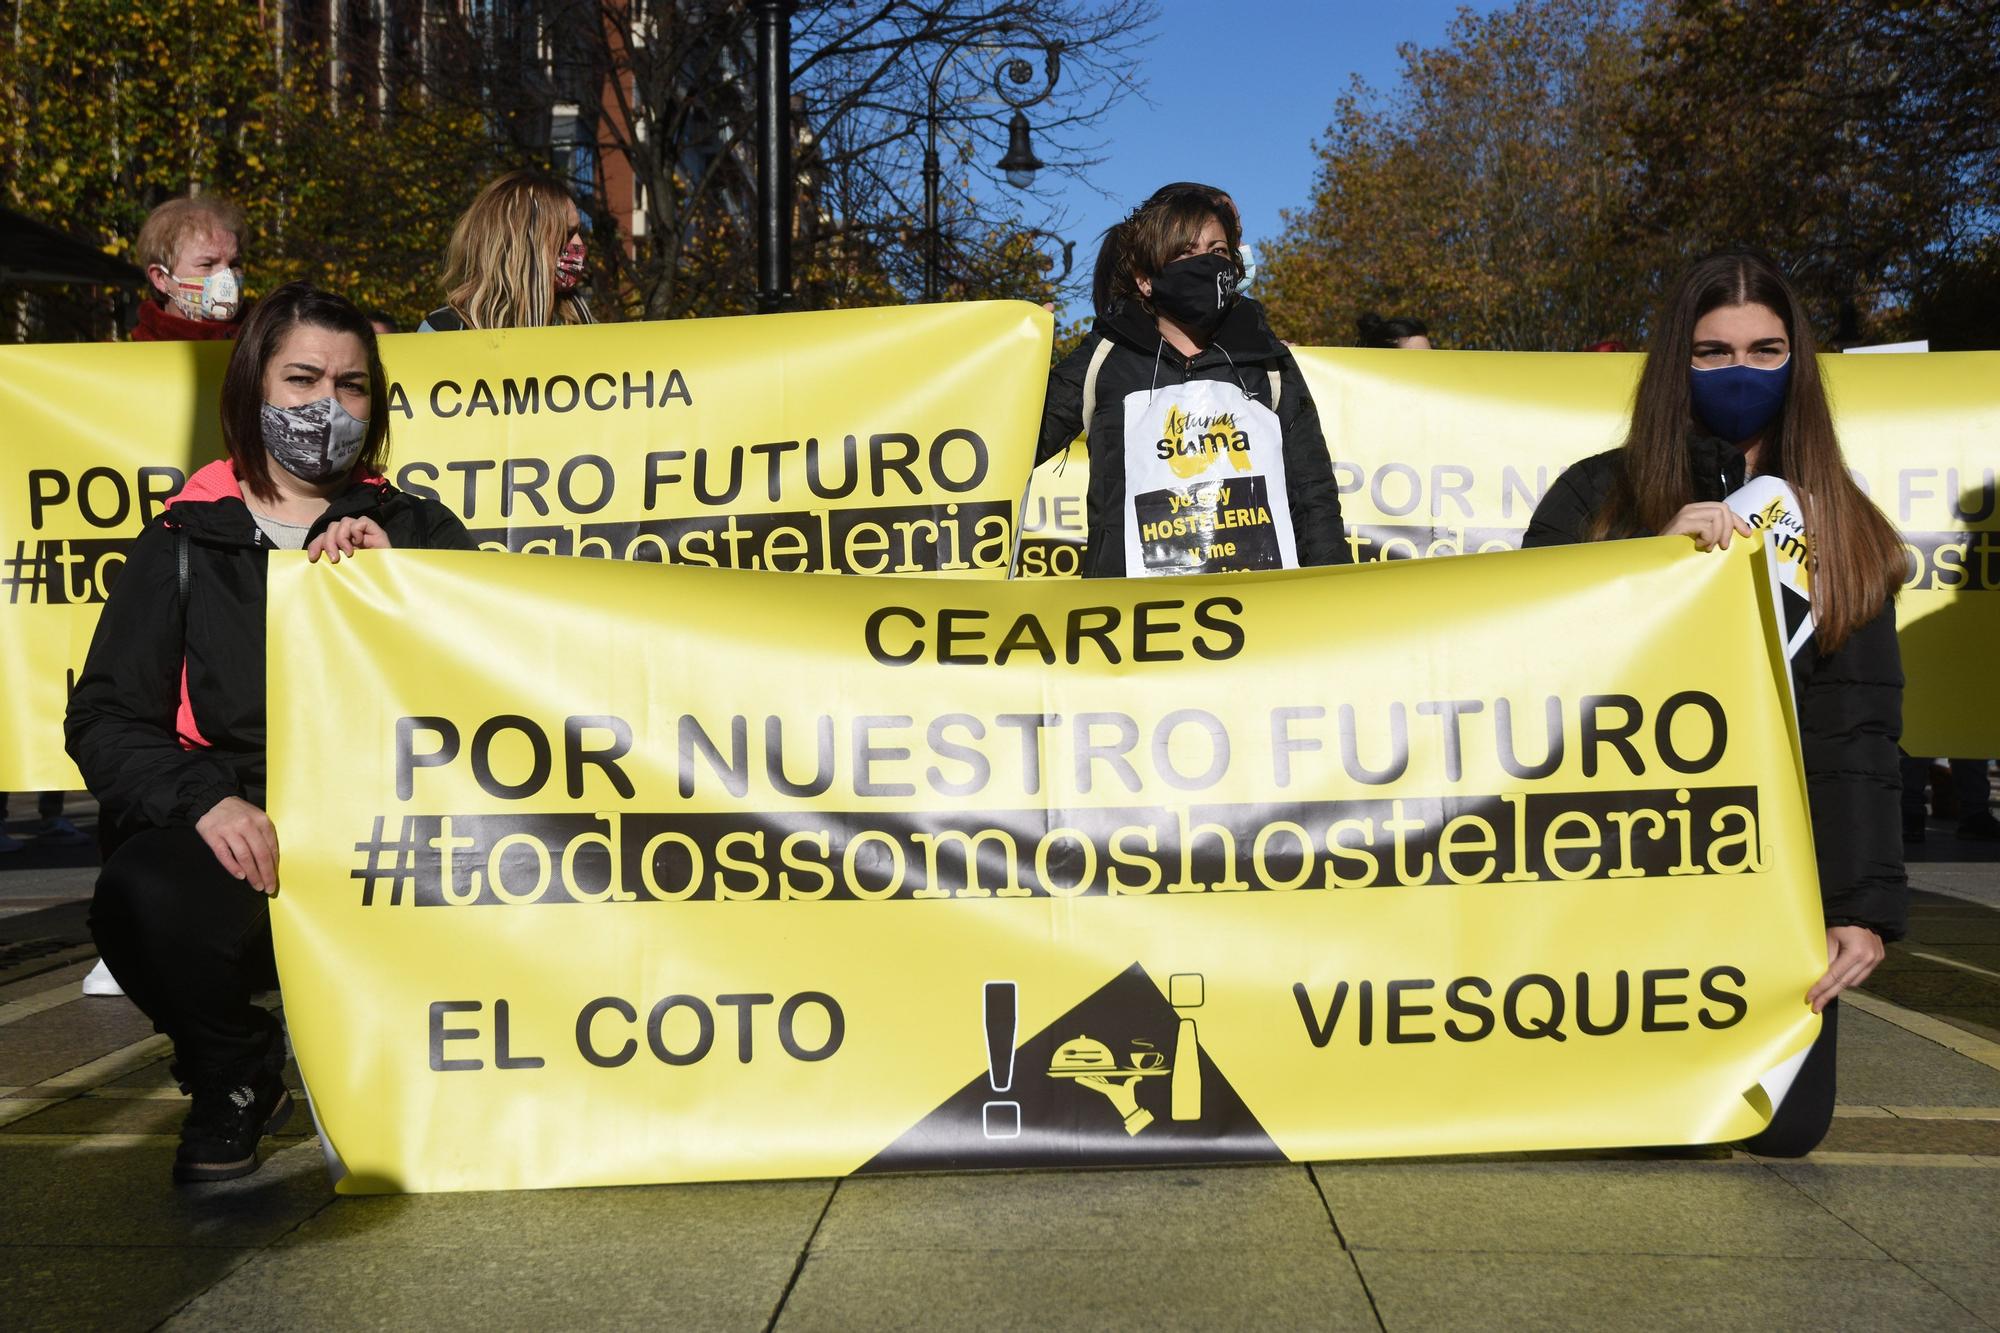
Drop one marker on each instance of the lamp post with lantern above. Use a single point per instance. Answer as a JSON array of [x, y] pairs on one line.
[[1017, 85]]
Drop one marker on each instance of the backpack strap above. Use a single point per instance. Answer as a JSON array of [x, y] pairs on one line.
[[1090, 380], [1277, 388]]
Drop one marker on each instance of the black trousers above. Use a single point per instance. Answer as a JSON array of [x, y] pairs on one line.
[[1807, 1111], [191, 945]]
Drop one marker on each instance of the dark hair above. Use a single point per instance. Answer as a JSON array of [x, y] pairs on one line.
[[1857, 559], [1154, 234], [243, 382], [381, 317], [1379, 332]]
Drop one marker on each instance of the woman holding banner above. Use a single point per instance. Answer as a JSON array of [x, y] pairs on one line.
[[515, 260], [1205, 448], [1731, 390], [167, 720]]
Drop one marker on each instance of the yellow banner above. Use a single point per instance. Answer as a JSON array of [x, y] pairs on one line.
[[641, 874], [1448, 453], [867, 441]]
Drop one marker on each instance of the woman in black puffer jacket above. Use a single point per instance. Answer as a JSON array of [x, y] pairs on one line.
[[1205, 447], [1731, 390], [167, 721]]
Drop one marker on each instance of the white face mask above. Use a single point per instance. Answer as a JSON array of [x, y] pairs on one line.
[[217, 296], [316, 443]]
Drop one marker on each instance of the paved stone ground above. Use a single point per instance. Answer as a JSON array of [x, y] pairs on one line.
[[1895, 1223]]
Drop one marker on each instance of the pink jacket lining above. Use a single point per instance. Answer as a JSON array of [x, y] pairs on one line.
[[215, 481]]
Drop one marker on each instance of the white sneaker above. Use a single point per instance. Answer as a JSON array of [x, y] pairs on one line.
[[101, 982]]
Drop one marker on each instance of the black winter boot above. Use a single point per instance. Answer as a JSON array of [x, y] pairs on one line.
[[219, 1136]]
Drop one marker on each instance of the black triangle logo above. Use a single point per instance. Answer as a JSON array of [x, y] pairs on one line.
[[1159, 1097]]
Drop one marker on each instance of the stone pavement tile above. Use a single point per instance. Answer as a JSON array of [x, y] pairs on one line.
[[1944, 956], [114, 1194], [104, 1287], [1983, 1021], [1651, 1291], [635, 1279], [1882, 1065], [129, 1115], [693, 1222], [160, 1074], [90, 1115], [1975, 1286], [1944, 1214], [1983, 928], [1221, 1285], [1660, 1208], [49, 1043], [1928, 989], [70, 975], [1893, 1134], [1137, 1210]]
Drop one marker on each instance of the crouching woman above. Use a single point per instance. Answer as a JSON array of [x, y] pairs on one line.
[[167, 721]]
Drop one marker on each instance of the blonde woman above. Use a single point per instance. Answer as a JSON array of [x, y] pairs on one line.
[[516, 259]]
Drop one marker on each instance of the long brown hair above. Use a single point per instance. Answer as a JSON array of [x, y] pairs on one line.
[[500, 267], [257, 342], [1858, 560]]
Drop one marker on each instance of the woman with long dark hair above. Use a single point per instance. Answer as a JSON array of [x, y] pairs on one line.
[[1731, 390], [167, 720]]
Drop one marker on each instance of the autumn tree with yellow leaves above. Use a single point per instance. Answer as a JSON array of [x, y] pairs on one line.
[[113, 108], [1534, 181]]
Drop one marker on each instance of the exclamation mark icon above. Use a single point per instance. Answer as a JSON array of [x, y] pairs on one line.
[[1002, 1118]]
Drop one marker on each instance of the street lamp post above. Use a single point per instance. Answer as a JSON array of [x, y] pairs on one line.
[[1020, 163], [774, 154]]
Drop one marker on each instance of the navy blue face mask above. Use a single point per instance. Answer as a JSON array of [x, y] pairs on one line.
[[1737, 402]]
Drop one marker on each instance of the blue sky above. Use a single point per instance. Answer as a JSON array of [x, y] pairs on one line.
[[1268, 72]]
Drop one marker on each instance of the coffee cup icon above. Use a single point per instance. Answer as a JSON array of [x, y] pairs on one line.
[[1145, 1057]]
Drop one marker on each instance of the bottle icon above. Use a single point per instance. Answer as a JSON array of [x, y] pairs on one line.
[[1184, 993]]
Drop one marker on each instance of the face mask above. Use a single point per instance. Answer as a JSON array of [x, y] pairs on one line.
[[1736, 402], [569, 266], [216, 296], [316, 443], [1197, 292]]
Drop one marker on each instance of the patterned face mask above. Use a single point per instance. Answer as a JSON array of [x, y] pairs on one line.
[[316, 443], [218, 296], [570, 265]]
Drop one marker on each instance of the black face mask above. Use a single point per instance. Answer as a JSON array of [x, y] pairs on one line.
[[1196, 293]]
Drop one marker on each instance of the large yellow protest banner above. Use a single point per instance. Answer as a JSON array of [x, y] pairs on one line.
[[865, 441], [600, 873], [1449, 452], [896, 441]]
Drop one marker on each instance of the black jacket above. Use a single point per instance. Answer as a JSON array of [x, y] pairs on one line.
[[1243, 350], [128, 711], [1850, 711]]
